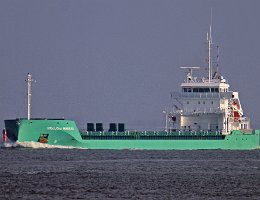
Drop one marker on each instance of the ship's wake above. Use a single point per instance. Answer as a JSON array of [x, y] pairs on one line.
[[34, 145], [8, 145]]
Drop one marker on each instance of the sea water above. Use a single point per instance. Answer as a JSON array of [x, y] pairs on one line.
[[45, 172]]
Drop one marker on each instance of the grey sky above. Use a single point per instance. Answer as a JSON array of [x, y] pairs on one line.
[[118, 61]]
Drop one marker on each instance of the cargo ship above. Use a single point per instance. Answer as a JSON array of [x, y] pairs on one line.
[[205, 114]]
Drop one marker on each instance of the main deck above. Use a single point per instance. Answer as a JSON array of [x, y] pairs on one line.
[[152, 135]]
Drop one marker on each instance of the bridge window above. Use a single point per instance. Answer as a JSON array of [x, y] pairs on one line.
[[187, 90], [195, 89], [214, 89], [201, 89]]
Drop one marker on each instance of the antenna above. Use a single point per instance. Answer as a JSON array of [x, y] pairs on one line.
[[29, 80], [211, 17]]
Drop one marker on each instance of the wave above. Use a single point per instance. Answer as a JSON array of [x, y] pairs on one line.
[[34, 145], [8, 145]]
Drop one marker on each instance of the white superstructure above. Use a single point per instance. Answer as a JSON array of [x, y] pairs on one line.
[[206, 104]]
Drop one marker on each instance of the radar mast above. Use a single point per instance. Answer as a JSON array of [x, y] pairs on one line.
[[209, 41]]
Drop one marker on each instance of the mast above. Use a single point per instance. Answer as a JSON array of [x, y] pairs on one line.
[[29, 94], [209, 41]]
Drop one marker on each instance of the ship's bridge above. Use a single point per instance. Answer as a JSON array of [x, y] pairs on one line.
[[203, 85], [203, 88]]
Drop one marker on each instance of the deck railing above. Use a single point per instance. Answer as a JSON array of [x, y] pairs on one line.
[[197, 95]]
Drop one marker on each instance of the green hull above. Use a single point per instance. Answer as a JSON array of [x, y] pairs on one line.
[[66, 133]]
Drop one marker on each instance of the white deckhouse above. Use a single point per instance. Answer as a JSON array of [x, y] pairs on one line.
[[206, 104]]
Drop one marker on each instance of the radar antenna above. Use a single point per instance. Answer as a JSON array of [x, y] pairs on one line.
[[190, 72]]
